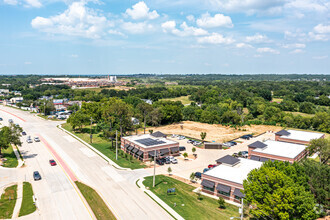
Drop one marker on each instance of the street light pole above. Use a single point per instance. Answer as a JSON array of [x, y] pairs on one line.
[[91, 136], [242, 213], [153, 182], [116, 147]]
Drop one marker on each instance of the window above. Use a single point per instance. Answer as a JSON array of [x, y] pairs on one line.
[[237, 197], [224, 193], [208, 188]]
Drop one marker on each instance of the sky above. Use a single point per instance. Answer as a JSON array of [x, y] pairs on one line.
[[164, 36]]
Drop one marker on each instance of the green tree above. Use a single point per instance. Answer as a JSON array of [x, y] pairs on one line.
[[122, 111], [203, 135], [10, 135], [78, 119], [322, 146], [145, 110], [155, 116], [274, 195], [193, 149], [222, 203], [192, 177], [169, 170], [185, 155]]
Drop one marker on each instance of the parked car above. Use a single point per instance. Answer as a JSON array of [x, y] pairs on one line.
[[245, 137], [210, 166], [36, 175], [181, 137], [250, 135], [206, 169], [52, 162], [159, 161], [29, 140], [198, 175], [173, 160], [167, 160], [196, 143], [182, 148], [233, 142], [244, 153], [36, 139], [1, 119], [10, 121], [23, 133], [190, 141], [174, 136], [228, 144]]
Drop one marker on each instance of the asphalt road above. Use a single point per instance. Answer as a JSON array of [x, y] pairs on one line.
[[56, 194]]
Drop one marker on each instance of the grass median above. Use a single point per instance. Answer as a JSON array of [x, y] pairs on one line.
[[7, 202], [98, 206], [9, 155], [104, 146], [187, 203], [28, 205]]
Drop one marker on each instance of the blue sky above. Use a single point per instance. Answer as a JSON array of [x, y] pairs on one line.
[[161, 36]]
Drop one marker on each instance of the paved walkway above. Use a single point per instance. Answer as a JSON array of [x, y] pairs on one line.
[[20, 161], [19, 200], [159, 201]]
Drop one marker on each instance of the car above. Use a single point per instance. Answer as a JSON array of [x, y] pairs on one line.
[[182, 148], [250, 135], [36, 176], [181, 137], [196, 143], [52, 162], [29, 140], [167, 160], [244, 154], [1, 119], [235, 155], [205, 170], [233, 142], [210, 166], [159, 161], [10, 121], [228, 144], [23, 133], [198, 175], [190, 141], [36, 139], [245, 137], [174, 161]]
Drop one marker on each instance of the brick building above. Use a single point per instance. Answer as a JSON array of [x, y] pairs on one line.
[[144, 146], [226, 179]]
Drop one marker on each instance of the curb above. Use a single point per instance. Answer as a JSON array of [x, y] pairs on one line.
[[112, 163]]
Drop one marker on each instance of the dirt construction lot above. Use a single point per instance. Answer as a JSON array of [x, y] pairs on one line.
[[214, 132]]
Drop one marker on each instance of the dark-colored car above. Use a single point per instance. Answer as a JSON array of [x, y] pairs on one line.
[[233, 142], [250, 135], [36, 175], [167, 160], [36, 139], [52, 162], [159, 161], [206, 169], [198, 175], [245, 137], [182, 148], [23, 133], [1, 119]]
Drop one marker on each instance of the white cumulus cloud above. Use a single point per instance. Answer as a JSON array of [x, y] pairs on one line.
[[243, 45], [297, 45], [33, 3], [322, 29], [257, 38], [10, 2], [185, 30], [141, 11], [267, 50], [136, 28], [218, 20], [77, 20], [215, 38]]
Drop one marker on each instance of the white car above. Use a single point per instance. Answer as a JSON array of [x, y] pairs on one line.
[[173, 160], [29, 140], [36, 139]]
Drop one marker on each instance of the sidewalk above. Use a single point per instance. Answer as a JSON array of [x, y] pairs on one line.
[[20, 161], [95, 150], [19, 200], [158, 200]]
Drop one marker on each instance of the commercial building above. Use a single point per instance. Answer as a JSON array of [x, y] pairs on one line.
[[297, 137], [146, 146], [226, 179], [276, 150]]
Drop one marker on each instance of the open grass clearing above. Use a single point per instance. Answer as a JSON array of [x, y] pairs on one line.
[[10, 157], [98, 206], [104, 146], [187, 203], [300, 113], [7, 202], [28, 205], [183, 99]]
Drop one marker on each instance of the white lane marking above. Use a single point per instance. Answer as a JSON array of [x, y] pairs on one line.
[[69, 138], [87, 152], [113, 174], [71, 164]]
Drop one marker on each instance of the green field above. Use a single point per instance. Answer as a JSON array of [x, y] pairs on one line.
[[104, 146], [183, 99], [187, 203], [278, 100], [300, 113], [7, 202], [9, 154], [27, 206], [100, 209]]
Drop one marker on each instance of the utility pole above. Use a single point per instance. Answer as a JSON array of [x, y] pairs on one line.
[[242, 213], [153, 182], [45, 107], [91, 136], [116, 146]]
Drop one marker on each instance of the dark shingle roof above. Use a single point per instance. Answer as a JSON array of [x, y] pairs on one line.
[[228, 160], [282, 132], [158, 134], [257, 144]]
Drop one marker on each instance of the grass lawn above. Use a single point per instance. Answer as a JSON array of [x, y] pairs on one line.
[[9, 154], [278, 100], [205, 208], [7, 206], [184, 99], [100, 209], [104, 146], [27, 206], [300, 113]]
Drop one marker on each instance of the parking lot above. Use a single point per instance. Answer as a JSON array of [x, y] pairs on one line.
[[205, 156]]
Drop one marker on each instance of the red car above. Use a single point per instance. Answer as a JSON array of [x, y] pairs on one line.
[[210, 166], [52, 162]]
